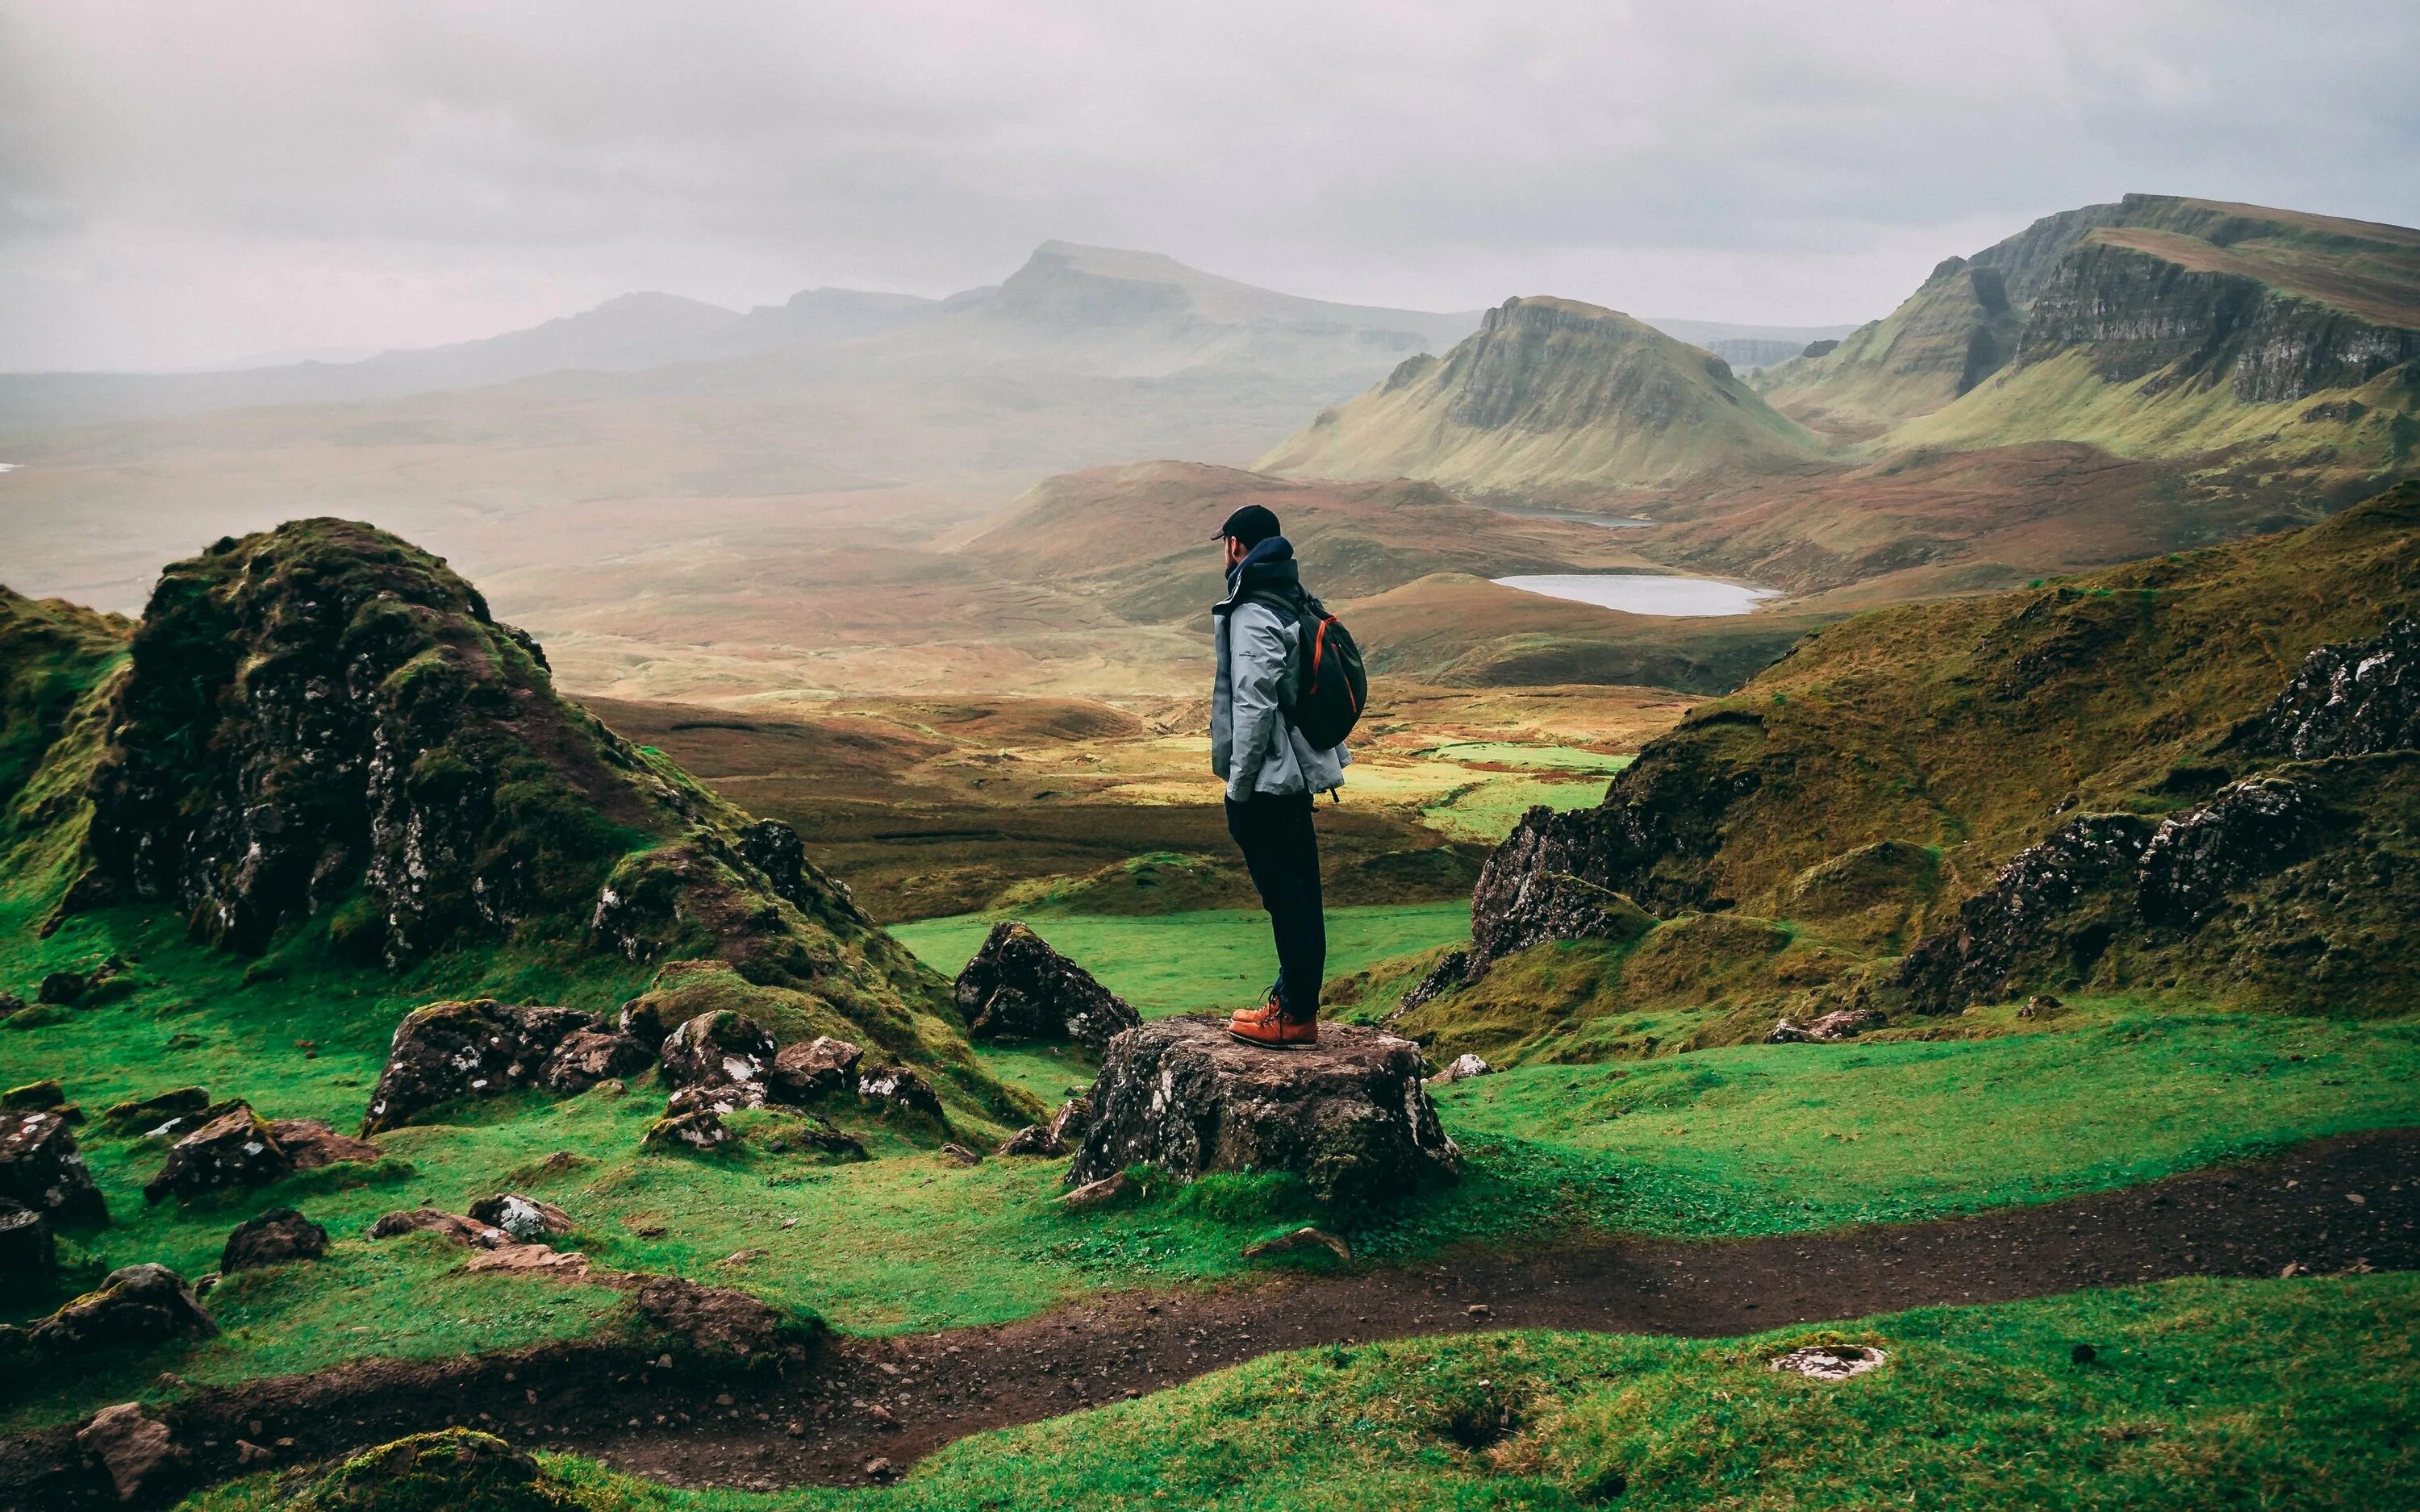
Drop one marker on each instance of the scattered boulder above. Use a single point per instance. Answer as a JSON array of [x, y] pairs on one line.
[[1017, 989], [235, 1149], [528, 1259], [716, 1320], [1098, 1194], [455, 1468], [1465, 1067], [526, 1220], [134, 1448], [450, 1051], [643, 1019], [1841, 1024], [40, 1167], [2352, 699], [63, 988], [1348, 1115], [588, 1057], [44, 1096], [714, 1097], [138, 1304], [1302, 1242], [897, 1089], [702, 1130], [1068, 1124], [720, 1049], [9, 1004], [960, 1155], [2041, 1005], [807, 1073], [276, 1237], [463, 1231], [157, 1114], [309, 1143], [27, 1250], [1034, 1140], [1829, 1362]]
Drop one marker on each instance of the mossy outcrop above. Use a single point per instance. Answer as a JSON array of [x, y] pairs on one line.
[[2106, 784]]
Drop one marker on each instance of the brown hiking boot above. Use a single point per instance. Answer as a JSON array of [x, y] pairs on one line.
[[1268, 1027]]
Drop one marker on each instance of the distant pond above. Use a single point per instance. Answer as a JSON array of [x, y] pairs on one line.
[[1636, 592]]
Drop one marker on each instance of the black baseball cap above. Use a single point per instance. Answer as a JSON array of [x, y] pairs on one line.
[[1252, 524]]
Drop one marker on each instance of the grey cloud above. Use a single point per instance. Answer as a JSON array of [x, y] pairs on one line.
[[165, 170]]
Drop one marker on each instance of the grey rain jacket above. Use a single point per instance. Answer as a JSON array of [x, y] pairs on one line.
[[1251, 744]]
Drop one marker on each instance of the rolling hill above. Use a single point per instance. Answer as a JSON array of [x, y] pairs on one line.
[[1551, 395]]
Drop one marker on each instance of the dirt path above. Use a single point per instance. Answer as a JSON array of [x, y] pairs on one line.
[[2324, 1208]]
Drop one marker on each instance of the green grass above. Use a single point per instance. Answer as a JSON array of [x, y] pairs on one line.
[[1209, 959], [2201, 1393], [1766, 1139], [1487, 809], [1510, 753]]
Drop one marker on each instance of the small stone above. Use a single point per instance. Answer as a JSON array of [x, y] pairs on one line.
[[1067, 1126], [2083, 1354], [248, 1452], [235, 1149], [33, 1097], [961, 1155], [460, 1230], [148, 1115], [1480, 1309], [136, 1305], [41, 1168], [879, 1468], [526, 1220], [1829, 1362], [310, 1144], [133, 1447], [2041, 1006], [1107, 1190], [897, 1089], [28, 1251], [1465, 1067], [1031, 1140], [823, 1067], [276, 1237], [703, 1131]]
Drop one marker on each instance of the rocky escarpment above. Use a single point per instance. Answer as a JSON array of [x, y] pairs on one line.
[[1955, 330], [2105, 785], [2151, 304]]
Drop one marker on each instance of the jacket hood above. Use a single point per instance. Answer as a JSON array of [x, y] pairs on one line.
[[1270, 565]]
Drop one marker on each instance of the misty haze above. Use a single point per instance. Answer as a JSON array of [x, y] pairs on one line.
[[795, 756]]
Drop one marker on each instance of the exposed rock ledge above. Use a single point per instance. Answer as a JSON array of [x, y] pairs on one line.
[[1348, 1115]]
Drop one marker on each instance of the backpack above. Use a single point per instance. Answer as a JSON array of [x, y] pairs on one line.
[[1326, 687]]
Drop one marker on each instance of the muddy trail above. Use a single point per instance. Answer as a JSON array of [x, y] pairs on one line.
[[861, 1409]]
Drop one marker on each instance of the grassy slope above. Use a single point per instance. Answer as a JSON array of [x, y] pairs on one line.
[[1588, 395], [2273, 1394], [1910, 362]]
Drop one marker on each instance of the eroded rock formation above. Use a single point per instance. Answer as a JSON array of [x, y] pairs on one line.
[[1017, 988], [1348, 1115]]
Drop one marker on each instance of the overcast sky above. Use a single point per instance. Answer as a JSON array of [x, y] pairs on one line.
[[194, 181]]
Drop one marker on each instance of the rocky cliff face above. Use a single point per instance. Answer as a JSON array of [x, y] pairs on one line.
[[1950, 334], [2137, 311]]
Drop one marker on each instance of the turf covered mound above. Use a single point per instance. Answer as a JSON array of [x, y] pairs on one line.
[[322, 724], [2191, 774]]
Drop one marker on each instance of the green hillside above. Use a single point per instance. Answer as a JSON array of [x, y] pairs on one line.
[[1550, 394]]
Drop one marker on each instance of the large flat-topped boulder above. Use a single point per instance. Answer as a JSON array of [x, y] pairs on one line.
[[1348, 1115]]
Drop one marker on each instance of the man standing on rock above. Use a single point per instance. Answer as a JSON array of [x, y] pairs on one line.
[[1273, 772]]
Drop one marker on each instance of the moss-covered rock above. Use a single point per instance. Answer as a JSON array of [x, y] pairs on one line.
[[445, 1471]]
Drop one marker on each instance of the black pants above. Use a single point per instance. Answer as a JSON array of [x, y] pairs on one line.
[[1282, 851]]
